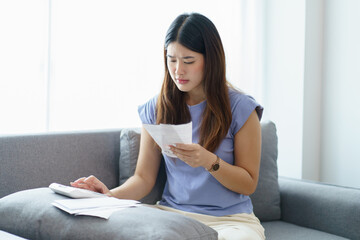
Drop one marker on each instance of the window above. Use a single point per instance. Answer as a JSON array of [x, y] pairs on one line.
[[23, 59], [87, 64]]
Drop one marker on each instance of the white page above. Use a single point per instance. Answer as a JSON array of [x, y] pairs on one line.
[[96, 207], [101, 213], [90, 203], [169, 134]]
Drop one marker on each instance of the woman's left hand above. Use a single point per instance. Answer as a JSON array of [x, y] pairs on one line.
[[193, 154]]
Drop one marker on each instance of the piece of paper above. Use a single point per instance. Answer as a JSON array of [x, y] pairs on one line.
[[169, 134], [101, 213], [98, 207]]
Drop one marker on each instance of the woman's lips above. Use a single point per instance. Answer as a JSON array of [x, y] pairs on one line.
[[182, 81]]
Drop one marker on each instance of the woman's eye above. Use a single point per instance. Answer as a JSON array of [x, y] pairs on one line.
[[189, 62]]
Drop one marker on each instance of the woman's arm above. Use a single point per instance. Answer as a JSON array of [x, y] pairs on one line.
[[242, 177], [143, 180]]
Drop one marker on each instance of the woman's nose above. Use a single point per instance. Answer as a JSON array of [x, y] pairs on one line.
[[179, 68]]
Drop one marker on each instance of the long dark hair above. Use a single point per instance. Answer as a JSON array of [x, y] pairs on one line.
[[197, 33]]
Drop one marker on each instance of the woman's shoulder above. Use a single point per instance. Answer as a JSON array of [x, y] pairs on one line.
[[242, 105], [239, 99], [237, 96]]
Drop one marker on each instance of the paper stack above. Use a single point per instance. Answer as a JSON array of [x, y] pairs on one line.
[[97, 207]]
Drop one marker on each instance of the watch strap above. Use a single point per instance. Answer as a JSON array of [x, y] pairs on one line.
[[215, 166]]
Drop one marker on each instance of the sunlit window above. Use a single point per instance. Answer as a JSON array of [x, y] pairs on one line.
[[87, 64], [23, 59]]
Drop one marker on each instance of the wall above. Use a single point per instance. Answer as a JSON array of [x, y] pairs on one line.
[[313, 70], [311, 85], [283, 79], [340, 162]]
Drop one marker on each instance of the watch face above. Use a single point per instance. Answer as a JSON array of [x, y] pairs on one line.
[[215, 167]]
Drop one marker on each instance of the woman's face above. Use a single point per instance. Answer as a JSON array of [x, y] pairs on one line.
[[186, 68]]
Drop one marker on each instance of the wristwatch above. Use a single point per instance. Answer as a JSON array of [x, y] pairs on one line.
[[215, 166]]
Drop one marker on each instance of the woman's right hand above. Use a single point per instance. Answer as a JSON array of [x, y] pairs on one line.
[[91, 183]]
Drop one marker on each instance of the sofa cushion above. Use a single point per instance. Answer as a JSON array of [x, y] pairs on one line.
[[129, 151], [30, 214], [266, 198], [280, 230]]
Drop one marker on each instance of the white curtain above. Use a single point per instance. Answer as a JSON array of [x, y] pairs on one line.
[[87, 64], [251, 57]]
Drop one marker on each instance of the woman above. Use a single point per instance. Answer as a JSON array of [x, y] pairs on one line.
[[212, 178]]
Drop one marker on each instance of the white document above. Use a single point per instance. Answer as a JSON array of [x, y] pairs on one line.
[[101, 213], [169, 134], [98, 207]]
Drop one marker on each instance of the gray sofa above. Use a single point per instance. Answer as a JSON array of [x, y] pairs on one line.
[[287, 208]]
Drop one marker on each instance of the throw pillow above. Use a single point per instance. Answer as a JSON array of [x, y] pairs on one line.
[[29, 214], [129, 151], [266, 198]]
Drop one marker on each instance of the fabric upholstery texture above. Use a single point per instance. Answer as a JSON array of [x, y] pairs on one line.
[[129, 151], [32, 161], [283, 230], [30, 214], [266, 198], [307, 204]]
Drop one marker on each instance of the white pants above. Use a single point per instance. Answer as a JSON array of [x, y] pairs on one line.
[[240, 226]]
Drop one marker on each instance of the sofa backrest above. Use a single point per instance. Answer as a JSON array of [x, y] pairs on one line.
[[33, 161], [37, 160], [266, 198]]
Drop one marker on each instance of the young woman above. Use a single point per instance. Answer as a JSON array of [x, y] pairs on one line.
[[212, 178]]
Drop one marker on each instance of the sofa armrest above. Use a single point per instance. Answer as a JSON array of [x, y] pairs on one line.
[[324, 207]]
